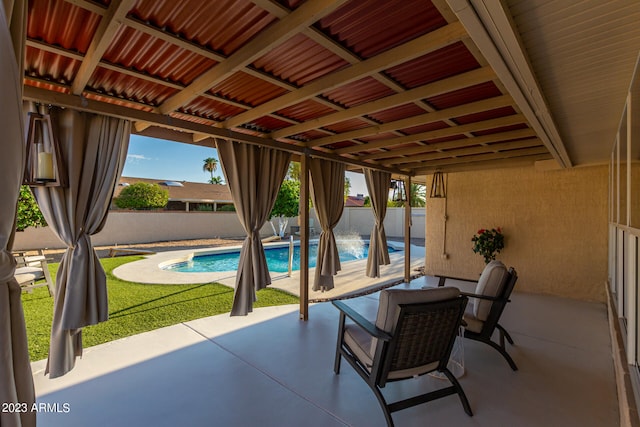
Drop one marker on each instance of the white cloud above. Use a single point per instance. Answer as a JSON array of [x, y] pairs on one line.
[[136, 157]]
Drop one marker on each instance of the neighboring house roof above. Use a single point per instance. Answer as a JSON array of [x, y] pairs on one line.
[[354, 201], [184, 191]]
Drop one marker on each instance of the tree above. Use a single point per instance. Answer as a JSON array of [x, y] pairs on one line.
[[294, 171], [286, 205], [216, 180], [418, 194], [347, 187], [142, 196], [210, 165], [29, 214]]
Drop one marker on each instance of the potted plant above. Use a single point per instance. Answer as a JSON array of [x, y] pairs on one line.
[[488, 243]]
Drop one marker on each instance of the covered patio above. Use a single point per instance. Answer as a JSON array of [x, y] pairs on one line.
[[517, 103], [207, 371]]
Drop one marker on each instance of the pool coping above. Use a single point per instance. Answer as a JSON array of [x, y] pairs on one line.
[[148, 271]]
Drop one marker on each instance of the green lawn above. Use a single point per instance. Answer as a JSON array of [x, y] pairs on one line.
[[136, 308]]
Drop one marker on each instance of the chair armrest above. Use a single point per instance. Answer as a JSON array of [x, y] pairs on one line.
[[443, 279], [361, 321], [487, 297]]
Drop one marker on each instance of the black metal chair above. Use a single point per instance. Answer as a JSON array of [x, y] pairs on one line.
[[483, 313], [413, 334]]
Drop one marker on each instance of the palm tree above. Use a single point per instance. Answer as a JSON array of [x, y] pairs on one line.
[[210, 165], [418, 195], [216, 180]]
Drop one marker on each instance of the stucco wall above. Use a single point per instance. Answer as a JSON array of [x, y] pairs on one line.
[[125, 227], [143, 227], [360, 220], [554, 221]]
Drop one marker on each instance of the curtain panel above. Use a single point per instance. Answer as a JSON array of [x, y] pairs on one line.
[[254, 175], [327, 192], [378, 187], [16, 381], [94, 149]]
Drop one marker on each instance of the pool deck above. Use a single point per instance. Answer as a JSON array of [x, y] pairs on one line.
[[349, 281]]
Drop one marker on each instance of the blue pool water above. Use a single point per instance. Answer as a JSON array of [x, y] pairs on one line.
[[277, 259]]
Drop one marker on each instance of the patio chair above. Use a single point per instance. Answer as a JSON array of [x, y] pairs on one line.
[[491, 296], [413, 334], [32, 272]]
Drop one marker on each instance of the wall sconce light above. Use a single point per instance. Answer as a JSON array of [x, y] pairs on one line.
[[438, 189], [399, 191], [44, 165]]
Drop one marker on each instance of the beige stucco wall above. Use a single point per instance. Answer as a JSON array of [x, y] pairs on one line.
[[124, 227], [360, 220], [554, 221]]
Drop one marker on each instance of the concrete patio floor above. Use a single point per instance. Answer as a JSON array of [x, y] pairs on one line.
[[271, 369]]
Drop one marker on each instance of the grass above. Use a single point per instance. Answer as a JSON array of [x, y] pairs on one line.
[[136, 308]]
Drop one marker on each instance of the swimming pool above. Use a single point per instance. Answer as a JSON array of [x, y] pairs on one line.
[[277, 258]]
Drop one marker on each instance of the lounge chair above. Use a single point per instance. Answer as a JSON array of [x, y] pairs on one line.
[[32, 272], [413, 335], [491, 296]]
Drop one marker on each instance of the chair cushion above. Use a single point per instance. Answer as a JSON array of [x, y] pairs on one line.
[[364, 345], [388, 309], [491, 282], [473, 323], [28, 274], [359, 342]]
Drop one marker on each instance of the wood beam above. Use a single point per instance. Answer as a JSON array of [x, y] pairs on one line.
[[304, 237], [141, 126], [83, 104], [416, 161], [486, 139], [96, 8], [490, 156], [109, 25], [467, 79], [439, 133], [275, 34], [272, 7], [436, 116], [485, 165], [420, 46], [407, 231]]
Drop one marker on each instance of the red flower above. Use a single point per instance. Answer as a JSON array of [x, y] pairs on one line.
[[482, 230]]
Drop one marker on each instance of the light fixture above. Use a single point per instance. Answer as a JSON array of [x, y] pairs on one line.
[[438, 189], [44, 165], [399, 191]]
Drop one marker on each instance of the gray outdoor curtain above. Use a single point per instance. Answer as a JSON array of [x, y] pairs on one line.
[[16, 381], [327, 191], [378, 187], [254, 175], [94, 148]]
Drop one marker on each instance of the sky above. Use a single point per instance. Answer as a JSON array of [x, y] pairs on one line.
[[167, 160]]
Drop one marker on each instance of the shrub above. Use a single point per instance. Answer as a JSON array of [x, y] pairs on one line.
[[29, 214], [142, 196]]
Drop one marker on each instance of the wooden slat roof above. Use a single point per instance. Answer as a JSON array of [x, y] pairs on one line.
[[398, 85]]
